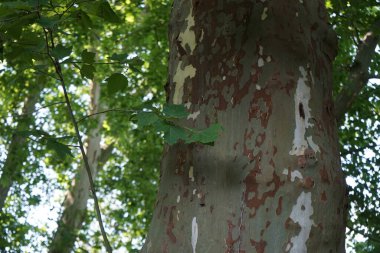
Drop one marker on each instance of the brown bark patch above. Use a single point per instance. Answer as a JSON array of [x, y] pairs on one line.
[[259, 245], [279, 206], [324, 175], [170, 226]]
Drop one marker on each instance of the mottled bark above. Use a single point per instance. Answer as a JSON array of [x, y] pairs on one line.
[[75, 204], [17, 150], [358, 74], [272, 182]]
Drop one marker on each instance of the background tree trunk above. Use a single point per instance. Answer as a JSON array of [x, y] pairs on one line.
[[272, 182], [75, 204], [18, 151]]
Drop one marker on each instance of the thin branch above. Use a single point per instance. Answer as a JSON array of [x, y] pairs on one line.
[[58, 71], [358, 75], [100, 63], [105, 111]]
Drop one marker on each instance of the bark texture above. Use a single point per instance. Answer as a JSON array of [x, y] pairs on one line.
[[75, 204], [272, 182], [17, 151]]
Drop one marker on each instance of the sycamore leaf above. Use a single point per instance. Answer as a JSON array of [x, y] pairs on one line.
[[105, 11], [60, 149], [60, 51], [175, 111], [146, 118], [175, 134], [87, 71], [208, 135], [49, 22], [116, 82], [122, 58], [88, 57]]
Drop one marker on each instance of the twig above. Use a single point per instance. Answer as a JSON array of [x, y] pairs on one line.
[[97, 113], [58, 71]]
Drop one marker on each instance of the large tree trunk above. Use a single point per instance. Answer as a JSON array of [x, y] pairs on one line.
[[17, 151], [75, 204], [272, 182]]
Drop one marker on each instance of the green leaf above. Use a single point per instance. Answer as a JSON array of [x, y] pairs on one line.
[[60, 51], [175, 111], [88, 57], [116, 82], [175, 134], [122, 58], [146, 118], [105, 11], [208, 135], [161, 126], [60, 149], [49, 22], [87, 71]]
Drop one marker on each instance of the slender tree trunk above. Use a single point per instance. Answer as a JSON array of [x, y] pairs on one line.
[[272, 181], [17, 151], [75, 204]]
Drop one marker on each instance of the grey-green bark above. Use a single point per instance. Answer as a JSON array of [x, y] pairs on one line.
[[272, 182], [75, 204], [17, 150]]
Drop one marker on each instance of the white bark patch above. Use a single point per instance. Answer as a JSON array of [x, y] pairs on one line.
[[194, 233], [191, 173], [178, 212], [261, 50], [312, 144], [268, 59], [301, 213], [179, 80], [178, 198], [260, 62], [264, 15], [293, 175], [187, 38], [194, 115], [202, 34], [302, 114], [258, 87]]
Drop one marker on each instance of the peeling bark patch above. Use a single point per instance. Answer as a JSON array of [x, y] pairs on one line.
[[293, 174], [301, 214], [229, 240], [261, 107], [194, 234], [170, 226], [300, 108], [194, 115], [279, 206], [302, 116], [179, 81], [187, 38], [323, 196], [324, 175], [259, 246]]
